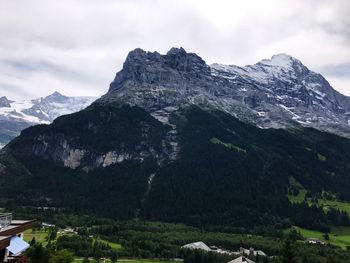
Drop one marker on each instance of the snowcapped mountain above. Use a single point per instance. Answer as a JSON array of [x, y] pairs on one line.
[[273, 93], [49, 108], [18, 115], [162, 170], [305, 96]]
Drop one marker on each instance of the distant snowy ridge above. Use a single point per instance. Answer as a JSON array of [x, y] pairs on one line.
[[18, 115], [305, 96], [281, 66]]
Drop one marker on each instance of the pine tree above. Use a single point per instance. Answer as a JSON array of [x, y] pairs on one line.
[[305, 259], [114, 256], [332, 259], [32, 242], [288, 255]]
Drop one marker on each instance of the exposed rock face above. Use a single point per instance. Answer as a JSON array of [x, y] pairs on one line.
[[61, 152], [154, 82], [96, 137], [273, 93], [74, 158], [277, 92], [4, 102]]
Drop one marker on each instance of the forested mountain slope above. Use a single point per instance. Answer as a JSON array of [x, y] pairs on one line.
[[173, 140]]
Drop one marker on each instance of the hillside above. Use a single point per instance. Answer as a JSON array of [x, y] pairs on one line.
[[226, 172], [167, 143]]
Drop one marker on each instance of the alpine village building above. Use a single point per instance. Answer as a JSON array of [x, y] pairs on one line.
[[12, 244]]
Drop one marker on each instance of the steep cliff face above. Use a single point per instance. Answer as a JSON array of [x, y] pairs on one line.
[[164, 143], [132, 121], [226, 172], [4, 102], [98, 136], [273, 93], [159, 82]]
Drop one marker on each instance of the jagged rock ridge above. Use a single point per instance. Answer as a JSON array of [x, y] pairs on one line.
[[177, 153], [273, 93]]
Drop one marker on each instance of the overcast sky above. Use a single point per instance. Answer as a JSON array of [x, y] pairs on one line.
[[77, 46]]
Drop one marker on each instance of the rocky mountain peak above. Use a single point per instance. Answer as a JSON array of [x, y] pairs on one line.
[[4, 102], [273, 93], [139, 55], [284, 62], [141, 67], [56, 94], [180, 60], [55, 97], [177, 51]]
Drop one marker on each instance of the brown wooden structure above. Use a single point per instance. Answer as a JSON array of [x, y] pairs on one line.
[[10, 230]]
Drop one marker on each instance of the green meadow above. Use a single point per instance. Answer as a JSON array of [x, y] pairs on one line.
[[321, 202], [339, 236], [79, 260]]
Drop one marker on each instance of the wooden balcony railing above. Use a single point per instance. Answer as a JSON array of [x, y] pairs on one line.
[[5, 219], [18, 259]]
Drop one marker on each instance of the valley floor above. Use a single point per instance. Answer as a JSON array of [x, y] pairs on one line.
[[144, 241], [79, 260]]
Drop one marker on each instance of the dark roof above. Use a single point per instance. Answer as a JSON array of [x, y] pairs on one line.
[[16, 227], [4, 241]]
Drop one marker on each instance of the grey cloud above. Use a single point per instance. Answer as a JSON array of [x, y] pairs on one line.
[[11, 90], [342, 70], [338, 24], [30, 66], [76, 46]]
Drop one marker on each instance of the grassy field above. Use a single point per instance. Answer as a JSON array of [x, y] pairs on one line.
[[325, 204], [339, 236], [79, 260], [298, 198], [146, 261], [40, 236], [335, 204], [322, 202], [115, 246]]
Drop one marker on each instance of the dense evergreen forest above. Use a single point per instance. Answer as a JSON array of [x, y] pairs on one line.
[[147, 239], [228, 174]]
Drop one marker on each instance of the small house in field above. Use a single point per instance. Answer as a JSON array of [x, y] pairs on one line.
[[47, 225], [314, 241], [68, 230]]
